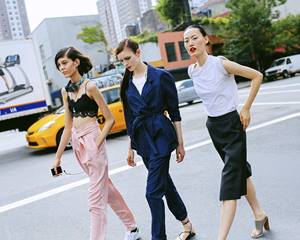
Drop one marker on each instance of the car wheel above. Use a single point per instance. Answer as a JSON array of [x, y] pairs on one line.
[[269, 79], [58, 137], [285, 74], [293, 74]]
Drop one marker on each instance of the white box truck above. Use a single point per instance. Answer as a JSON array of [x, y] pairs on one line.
[[23, 88], [284, 67]]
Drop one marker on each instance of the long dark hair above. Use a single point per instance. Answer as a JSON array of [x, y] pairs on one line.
[[200, 28], [133, 46], [70, 52]]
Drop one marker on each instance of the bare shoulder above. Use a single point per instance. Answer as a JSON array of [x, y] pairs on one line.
[[230, 65], [91, 86], [64, 92], [240, 70]]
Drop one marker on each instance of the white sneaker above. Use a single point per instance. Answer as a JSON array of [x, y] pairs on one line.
[[132, 235]]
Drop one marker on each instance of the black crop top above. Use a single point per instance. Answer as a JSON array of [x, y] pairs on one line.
[[83, 107]]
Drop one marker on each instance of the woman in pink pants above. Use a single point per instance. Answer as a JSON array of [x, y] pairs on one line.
[[82, 99]]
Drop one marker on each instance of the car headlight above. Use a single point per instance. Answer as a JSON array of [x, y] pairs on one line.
[[46, 126]]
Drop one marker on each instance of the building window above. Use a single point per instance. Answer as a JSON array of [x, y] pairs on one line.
[[183, 53], [171, 53], [45, 72], [42, 52]]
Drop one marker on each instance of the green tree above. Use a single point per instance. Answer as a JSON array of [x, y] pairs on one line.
[[145, 37], [286, 34], [247, 36], [174, 12], [92, 34]]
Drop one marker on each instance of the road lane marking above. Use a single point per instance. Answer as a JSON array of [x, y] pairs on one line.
[[261, 93], [273, 103], [283, 91], [280, 86], [112, 172]]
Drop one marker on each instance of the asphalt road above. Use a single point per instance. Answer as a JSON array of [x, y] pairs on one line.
[[36, 206]]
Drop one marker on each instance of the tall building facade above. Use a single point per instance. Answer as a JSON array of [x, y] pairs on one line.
[[53, 34], [145, 5], [13, 20], [118, 16]]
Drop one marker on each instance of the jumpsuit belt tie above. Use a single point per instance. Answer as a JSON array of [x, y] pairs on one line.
[[145, 122], [79, 133]]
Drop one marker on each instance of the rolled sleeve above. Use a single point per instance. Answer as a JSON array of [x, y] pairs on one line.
[[170, 96]]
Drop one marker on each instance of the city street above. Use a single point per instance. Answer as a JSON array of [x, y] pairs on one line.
[[36, 206]]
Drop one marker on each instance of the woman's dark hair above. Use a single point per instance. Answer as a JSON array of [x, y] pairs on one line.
[[133, 46], [70, 52], [200, 28]]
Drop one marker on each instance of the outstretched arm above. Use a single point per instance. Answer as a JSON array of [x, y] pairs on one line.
[[65, 137], [256, 78]]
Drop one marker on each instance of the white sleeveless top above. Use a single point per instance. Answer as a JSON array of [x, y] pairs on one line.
[[216, 88]]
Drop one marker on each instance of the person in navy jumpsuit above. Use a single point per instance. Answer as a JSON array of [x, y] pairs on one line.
[[153, 124]]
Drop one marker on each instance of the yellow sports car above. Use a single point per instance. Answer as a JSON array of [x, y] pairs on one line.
[[47, 131]]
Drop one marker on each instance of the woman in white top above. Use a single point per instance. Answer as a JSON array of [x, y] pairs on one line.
[[214, 82]]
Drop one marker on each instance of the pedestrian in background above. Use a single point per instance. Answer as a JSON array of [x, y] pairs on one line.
[[146, 93], [82, 99], [213, 79]]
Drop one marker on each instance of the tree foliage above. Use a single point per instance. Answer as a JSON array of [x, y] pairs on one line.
[[92, 34], [145, 37], [286, 34], [172, 11], [247, 35]]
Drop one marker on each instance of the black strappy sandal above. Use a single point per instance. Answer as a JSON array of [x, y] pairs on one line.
[[188, 234]]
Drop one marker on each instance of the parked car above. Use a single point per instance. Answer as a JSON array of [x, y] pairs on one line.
[[186, 91], [107, 80], [47, 131], [284, 67]]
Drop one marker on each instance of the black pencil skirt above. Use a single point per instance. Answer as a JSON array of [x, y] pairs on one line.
[[229, 139]]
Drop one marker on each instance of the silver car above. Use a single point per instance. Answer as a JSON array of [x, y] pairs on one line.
[[186, 91], [107, 80]]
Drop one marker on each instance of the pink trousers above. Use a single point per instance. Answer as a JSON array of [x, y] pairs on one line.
[[93, 161]]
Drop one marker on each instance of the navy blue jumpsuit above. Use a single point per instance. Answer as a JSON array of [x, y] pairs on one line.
[[154, 137]]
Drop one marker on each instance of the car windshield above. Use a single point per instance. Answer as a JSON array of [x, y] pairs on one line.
[[278, 62], [111, 95], [60, 110], [107, 81], [186, 83]]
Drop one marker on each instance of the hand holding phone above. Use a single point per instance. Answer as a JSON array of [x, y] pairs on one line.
[[56, 171]]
